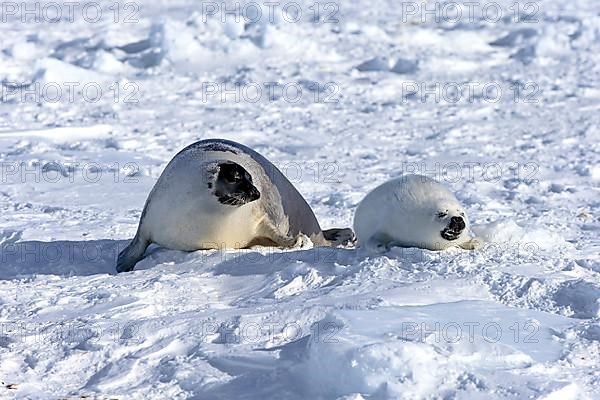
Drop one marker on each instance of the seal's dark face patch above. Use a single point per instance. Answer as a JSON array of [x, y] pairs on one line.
[[455, 227], [233, 185]]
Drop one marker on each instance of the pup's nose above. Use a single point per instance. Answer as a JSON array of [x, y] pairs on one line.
[[457, 223]]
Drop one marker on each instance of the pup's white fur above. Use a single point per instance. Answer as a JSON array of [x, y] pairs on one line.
[[407, 212]]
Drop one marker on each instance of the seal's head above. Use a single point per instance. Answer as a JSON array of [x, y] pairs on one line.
[[439, 225], [428, 214], [233, 185], [454, 223]]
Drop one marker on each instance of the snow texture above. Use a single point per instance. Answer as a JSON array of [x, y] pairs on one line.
[[503, 111]]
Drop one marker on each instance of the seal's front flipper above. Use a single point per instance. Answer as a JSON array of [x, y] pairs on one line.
[[300, 241], [272, 235], [132, 254], [340, 237], [303, 242], [473, 244]]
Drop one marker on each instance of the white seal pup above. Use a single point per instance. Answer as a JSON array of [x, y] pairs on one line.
[[412, 211], [217, 194]]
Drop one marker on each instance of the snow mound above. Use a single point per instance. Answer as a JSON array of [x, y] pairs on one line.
[[503, 231], [412, 358]]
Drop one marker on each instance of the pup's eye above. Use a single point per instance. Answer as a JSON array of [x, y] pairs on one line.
[[462, 214], [441, 214]]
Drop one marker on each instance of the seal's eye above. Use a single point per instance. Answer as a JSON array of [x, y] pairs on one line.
[[234, 177], [441, 214]]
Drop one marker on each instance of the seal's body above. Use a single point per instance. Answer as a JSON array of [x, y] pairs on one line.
[[412, 211], [218, 194]]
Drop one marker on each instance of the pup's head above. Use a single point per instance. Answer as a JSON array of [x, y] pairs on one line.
[[452, 224], [435, 218], [439, 226]]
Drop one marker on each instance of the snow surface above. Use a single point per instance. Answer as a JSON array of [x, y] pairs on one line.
[[517, 319]]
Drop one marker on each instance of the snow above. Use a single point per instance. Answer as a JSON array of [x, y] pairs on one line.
[[382, 93]]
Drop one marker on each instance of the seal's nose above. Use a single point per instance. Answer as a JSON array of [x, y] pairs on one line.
[[254, 194], [457, 223]]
